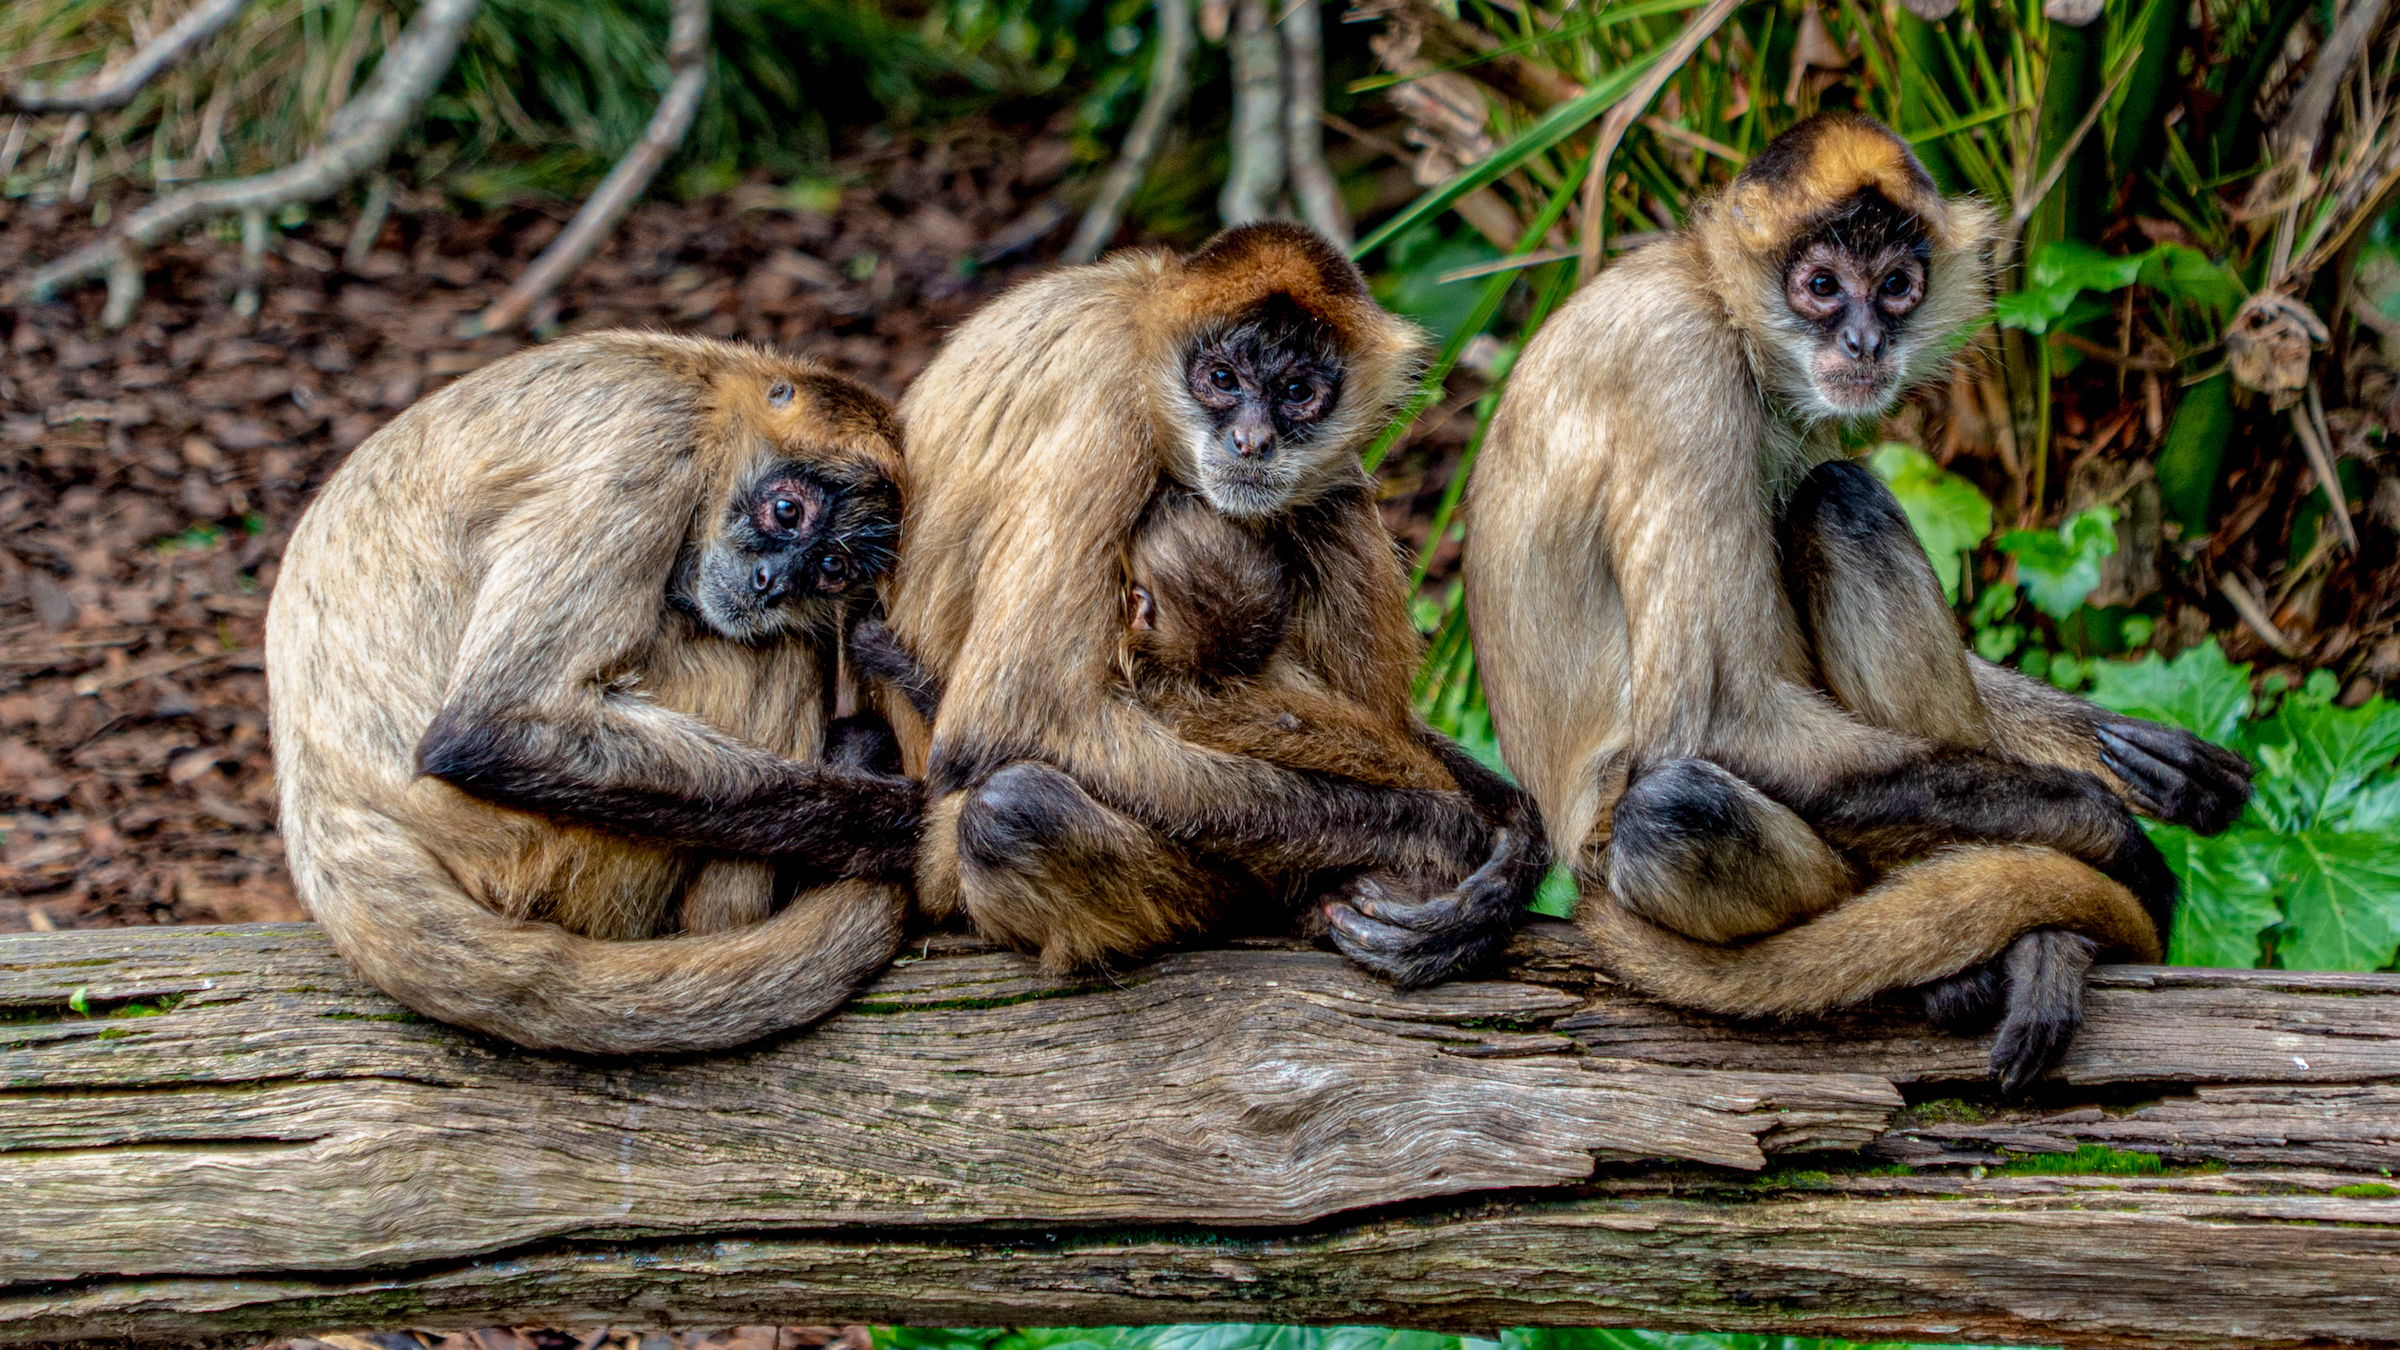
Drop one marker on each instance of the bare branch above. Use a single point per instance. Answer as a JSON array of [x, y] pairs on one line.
[[1170, 82], [1313, 187], [1256, 174], [362, 135], [687, 57], [116, 88]]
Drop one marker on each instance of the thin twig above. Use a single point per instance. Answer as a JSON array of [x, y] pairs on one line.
[[1170, 80], [362, 135], [2027, 204], [1621, 115], [1313, 187], [1686, 136], [116, 88], [370, 222], [2254, 615], [2308, 419], [687, 57], [2111, 355]]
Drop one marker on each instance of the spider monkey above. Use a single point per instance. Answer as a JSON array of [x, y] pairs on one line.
[[553, 660], [1717, 656], [1077, 806]]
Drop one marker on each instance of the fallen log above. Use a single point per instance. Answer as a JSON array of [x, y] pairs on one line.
[[220, 1135]]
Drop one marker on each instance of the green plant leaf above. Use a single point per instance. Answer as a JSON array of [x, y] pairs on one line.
[[2228, 895], [2058, 568], [2342, 900], [2199, 690], [2057, 273], [1949, 514], [2319, 757]]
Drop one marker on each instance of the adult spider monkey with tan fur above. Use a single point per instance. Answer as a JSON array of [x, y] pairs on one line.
[[1068, 813], [553, 659], [1717, 656]]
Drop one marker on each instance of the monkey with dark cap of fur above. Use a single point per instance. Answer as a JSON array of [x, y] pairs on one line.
[[1141, 557], [554, 661], [1717, 656]]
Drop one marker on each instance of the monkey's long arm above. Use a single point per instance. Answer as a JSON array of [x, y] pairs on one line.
[[533, 719], [2163, 771], [1260, 814]]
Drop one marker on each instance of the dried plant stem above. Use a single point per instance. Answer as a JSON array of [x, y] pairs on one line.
[[1313, 186], [2308, 419], [1256, 174], [1170, 83], [115, 88], [362, 135], [1621, 115], [687, 56]]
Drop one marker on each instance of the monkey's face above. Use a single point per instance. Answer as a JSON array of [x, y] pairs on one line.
[[1853, 283], [791, 547], [1263, 392]]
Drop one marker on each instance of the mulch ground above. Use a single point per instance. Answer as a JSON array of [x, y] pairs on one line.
[[153, 473]]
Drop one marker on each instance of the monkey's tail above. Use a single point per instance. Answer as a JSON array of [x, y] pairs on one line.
[[400, 918], [1955, 908]]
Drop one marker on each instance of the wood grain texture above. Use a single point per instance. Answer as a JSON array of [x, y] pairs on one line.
[[1256, 1133]]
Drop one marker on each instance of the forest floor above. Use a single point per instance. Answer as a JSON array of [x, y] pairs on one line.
[[153, 474]]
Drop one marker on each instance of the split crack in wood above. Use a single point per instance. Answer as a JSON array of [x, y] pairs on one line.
[[1259, 1133]]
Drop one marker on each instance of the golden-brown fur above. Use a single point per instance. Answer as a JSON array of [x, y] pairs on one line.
[[1640, 629], [1209, 604], [1067, 814], [499, 557]]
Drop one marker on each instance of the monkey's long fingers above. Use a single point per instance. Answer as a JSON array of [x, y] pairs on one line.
[[1371, 899], [2175, 775]]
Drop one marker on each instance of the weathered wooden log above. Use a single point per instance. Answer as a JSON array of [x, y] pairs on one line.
[[220, 1135]]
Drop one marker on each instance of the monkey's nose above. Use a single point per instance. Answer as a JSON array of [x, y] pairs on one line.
[[1862, 342], [1248, 444]]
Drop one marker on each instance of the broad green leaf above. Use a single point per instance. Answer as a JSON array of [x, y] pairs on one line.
[[2373, 807], [2320, 756], [2199, 690], [1949, 514], [2228, 895], [2059, 272], [2341, 900], [2058, 568]]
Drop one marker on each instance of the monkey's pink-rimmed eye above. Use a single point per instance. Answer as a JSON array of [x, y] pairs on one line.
[[787, 512], [1223, 378], [1823, 285], [1297, 391], [1897, 283], [833, 567]]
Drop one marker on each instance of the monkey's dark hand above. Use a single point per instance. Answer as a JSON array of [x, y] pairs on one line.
[[879, 655], [1385, 923], [863, 741], [2174, 775]]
